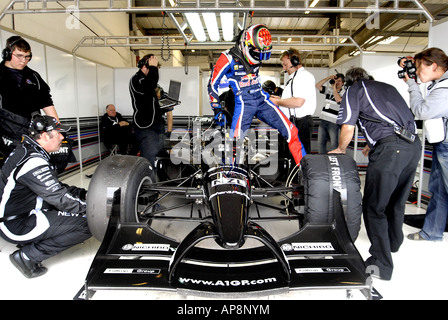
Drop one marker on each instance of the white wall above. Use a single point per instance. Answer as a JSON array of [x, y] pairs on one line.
[[383, 67], [437, 35]]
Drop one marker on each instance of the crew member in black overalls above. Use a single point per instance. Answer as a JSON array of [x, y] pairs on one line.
[[391, 135]]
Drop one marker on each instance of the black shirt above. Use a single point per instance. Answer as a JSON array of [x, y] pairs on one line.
[[374, 100], [147, 113], [23, 91]]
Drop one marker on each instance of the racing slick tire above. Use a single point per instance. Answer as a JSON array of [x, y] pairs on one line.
[[127, 173], [324, 173]]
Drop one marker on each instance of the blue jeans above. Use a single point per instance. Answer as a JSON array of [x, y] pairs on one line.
[[327, 131], [437, 211]]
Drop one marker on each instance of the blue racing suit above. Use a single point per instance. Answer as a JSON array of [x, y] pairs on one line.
[[250, 100]]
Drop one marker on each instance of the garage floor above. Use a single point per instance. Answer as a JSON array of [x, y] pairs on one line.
[[420, 271]]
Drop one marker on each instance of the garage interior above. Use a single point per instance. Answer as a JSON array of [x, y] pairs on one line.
[[87, 52]]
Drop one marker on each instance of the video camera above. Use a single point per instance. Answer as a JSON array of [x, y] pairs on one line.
[[338, 76], [409, 68]]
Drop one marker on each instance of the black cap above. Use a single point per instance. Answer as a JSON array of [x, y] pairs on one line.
[[45, 124]]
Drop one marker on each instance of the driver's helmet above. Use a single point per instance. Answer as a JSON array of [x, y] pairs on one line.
[[256, 43]]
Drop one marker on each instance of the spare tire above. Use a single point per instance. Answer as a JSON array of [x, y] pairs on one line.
[[324, 173], [127, 173]]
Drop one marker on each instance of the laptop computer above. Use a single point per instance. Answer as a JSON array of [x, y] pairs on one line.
[[172, 98]]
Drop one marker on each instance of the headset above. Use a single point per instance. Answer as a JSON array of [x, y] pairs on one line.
[[37, 125], [7, 52], [144, 61], [295, 60]]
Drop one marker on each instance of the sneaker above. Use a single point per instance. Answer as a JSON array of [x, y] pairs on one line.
[[415, 236], [28, 268]]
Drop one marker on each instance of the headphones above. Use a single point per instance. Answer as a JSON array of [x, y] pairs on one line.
[[37, 125], [295, 60], [141, 63], [144, 61], [7, 52]]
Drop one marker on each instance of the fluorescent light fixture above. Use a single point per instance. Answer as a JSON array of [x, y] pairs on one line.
[[194, 21], [172, 3], [227, 25], [388, 40], [212, 25], [312, 5]]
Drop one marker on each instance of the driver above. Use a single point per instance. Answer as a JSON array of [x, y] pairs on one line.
[[37, 211], [241, 65]]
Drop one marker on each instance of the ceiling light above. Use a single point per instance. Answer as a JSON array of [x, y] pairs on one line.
[[312, 5], [212, 25], [194, 21], [227, 25], [388, 40]]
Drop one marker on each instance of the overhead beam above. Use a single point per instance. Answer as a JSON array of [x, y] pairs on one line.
[[82, 6], [279, 41], [370, 30]]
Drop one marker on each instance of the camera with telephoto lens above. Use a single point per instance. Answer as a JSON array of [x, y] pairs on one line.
[[409, 68]]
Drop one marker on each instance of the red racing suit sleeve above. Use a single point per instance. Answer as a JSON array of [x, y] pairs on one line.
[[221, 68]]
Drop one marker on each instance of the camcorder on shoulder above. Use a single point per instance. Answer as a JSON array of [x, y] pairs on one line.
[[409, 68]]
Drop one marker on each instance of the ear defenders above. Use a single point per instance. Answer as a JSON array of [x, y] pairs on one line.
[[141, 63], [295, 61], [37, 125], [144, 61], [7, 52]]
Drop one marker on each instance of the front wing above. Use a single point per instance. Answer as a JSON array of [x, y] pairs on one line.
[[135, 257]]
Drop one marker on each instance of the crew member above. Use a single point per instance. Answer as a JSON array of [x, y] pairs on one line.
[[37, 211], [394, 150], [298, 100]]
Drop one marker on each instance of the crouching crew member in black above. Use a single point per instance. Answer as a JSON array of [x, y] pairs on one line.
[[41, 214], [393, 148]]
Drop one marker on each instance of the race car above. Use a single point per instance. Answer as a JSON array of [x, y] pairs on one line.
[[224, 229]]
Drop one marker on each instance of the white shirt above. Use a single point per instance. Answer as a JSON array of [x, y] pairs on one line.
[[301, 84]]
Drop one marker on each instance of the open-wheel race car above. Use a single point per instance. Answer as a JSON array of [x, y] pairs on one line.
[[225, 229]]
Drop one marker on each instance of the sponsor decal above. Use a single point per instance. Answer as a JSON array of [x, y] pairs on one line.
[[227, 283], [132, 271], [323, 270], [146, 247], [308, 246], [223, 180]]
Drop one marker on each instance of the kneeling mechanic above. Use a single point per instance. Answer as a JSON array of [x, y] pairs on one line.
[[38, 212]]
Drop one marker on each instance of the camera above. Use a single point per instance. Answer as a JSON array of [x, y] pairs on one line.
[[338, 76], [409, 68]]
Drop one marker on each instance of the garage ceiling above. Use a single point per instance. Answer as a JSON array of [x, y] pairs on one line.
[[323, 31]]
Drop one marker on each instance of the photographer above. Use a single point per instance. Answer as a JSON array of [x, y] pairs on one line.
[[271, 88], [432, 66], [328, 129], [390, 132]]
